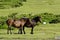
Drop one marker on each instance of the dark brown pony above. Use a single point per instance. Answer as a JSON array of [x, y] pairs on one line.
[[22, 23], [31, 23]]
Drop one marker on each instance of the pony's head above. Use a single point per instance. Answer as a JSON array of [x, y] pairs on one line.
[[37, 19]]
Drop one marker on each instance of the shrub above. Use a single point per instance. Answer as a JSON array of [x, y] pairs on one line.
[[47, 17], [3, 22], [13, 15], [24, 15], [56, 20]]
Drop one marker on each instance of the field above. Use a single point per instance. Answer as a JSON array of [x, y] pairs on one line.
[[41, 32], [34, 6]]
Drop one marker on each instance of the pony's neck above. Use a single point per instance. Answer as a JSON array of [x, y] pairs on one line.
[[35, 20]]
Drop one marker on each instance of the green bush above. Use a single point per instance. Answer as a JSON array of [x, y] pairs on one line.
[[13, 15], [24, 15], [47, 17], [56, 20], [3, 22]]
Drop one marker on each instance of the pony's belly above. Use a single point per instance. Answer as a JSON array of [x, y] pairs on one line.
[[28, 26], [16, 26]]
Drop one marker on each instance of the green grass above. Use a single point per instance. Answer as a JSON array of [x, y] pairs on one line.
[[41, 32], [34, 6]]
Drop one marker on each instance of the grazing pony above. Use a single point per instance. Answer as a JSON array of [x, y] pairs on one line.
[[22, 23], [30, 23], [15, 23]]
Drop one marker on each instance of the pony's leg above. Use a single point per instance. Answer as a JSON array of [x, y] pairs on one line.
[[9, 30], [32, 30], [24, 30], [20, 31]]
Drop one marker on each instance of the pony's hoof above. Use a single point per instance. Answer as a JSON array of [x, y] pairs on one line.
[[7, 33], [20, 33], [10, 33], [31, 33], [24, 33]]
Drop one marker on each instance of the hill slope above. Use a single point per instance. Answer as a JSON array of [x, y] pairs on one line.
[[34, 6]]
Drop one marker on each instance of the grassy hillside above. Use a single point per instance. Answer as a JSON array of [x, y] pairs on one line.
[[41, 32], [34, 6]]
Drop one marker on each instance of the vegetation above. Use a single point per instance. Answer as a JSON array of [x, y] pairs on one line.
[[11, 3], [49, 10], [45, 17], [41, 32]]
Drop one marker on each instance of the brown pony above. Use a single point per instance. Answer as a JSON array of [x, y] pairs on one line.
[[31, 23], [15, 23], [22, 23]]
